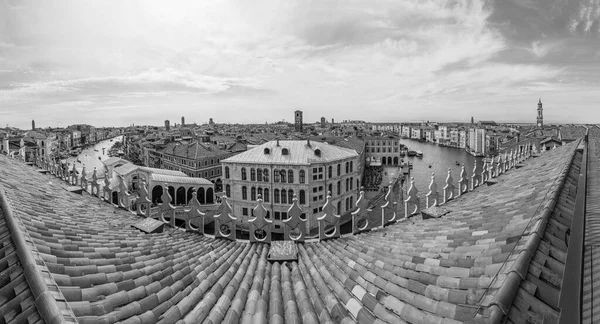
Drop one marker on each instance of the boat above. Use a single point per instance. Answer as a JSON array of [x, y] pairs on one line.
[[457, 163], [99, 158], [96, 150], [430, 166], [78, 161], [412, 153], [419, 154]]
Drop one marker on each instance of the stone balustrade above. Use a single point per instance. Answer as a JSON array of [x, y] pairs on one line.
[[294, 227]]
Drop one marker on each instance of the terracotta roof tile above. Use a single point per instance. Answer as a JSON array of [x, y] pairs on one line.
[[416, 271]]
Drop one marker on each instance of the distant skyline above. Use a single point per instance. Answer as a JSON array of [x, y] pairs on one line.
[[114, 63]]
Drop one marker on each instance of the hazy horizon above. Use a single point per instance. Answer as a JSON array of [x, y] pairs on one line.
[[116, 63]]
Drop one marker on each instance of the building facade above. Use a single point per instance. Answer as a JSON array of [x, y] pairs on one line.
[[278, 171], [298, 121], [384, 150]]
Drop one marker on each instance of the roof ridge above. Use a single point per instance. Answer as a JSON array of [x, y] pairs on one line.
[[45, 302], [503, 299]]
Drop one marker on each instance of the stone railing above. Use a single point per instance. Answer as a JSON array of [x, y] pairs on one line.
[[294, 227]]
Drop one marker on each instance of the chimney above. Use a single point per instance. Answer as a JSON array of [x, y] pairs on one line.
[[308, 142], [278, 142]]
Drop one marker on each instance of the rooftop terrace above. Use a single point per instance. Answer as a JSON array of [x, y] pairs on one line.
[[498, 255]]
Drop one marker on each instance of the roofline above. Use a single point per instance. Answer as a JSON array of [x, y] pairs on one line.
[[44, 301]]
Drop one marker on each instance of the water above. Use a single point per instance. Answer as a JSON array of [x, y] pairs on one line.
[[440, 158], [89, 157]]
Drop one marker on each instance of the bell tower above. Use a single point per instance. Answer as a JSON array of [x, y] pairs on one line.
[[298, 121], [540, 115]]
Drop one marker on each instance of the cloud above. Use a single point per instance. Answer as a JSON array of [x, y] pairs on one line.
[[363, 58]]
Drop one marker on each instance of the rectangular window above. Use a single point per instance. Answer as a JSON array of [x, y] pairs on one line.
[[316, 210], [283, 215], [315, 198], [245, 211], [277, 216], [320, 197], [315, 189], [320, 188]]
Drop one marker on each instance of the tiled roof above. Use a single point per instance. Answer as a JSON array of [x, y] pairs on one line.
[[538, 294], [441, 270], [126, 168], [175, 179], [299, 153], [163, 171], [17, 302], [571, 132], [352, 143], [113, 160], [194, 150]]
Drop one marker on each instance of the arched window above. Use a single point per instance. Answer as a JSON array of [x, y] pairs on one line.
[[253, 194], [339, 187], [258, 174], [283, 196], [339, 170], [290, 176], [252, 175], [228, 190], [266, 196], [275, 175], [282, 175], [302, 176], [351, 166], [347, 167], [244, 193], [266, 175], [351, 202], [330, 172], [351, 181], [347, 184], [276, 196], [259, 191], [291, 196], [302, 198], [226, 172], [347, 204], [339, 207], [243, 173], [330, 189]]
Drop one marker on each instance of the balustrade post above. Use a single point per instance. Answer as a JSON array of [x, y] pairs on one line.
[[260, 225], [166, 207], [73, 177], [294, 227], [360, 221], [463, 183], [95, 185], [143, 200], [474, 177], [412, 200], [192, 213], [225, 221], [106, 192], [123, 201], [431, 198], [499, 165], [388, 209], [449, 187], [83, 181], [329, 222]]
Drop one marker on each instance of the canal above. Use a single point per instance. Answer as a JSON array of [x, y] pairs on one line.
[[440, 159], [89, 157]]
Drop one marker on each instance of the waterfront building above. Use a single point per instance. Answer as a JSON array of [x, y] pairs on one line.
[[417, 133], [405, 131], [429, 134], [382, 150], [279, 170], [477, 141]]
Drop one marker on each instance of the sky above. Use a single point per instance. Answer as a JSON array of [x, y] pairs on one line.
[[116, 63]]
